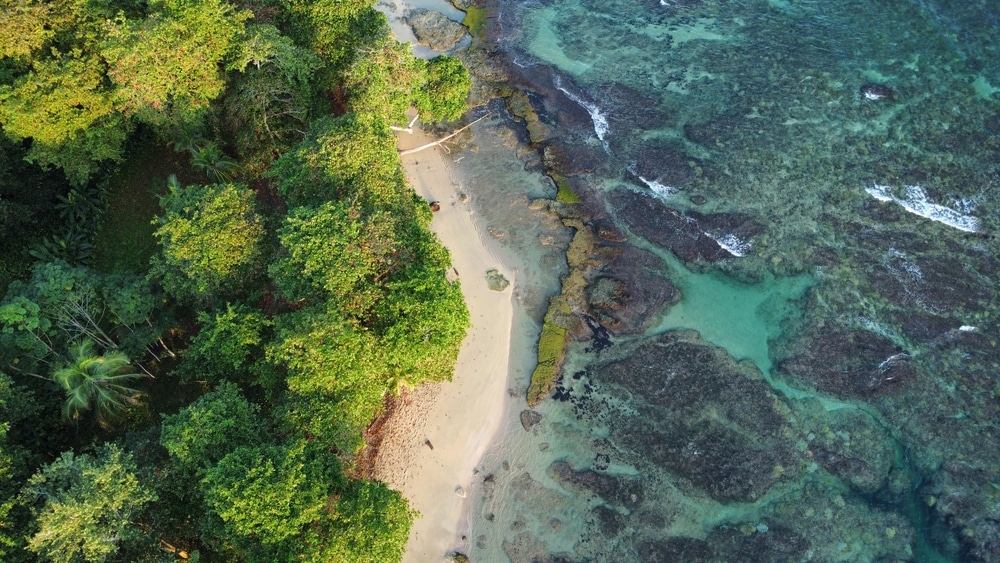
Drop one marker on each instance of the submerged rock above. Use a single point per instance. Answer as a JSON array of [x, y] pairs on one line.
[[496, 280], [617, 491], [529, 418], [690, 236], [848, 362], [876, 92], [711, 422]]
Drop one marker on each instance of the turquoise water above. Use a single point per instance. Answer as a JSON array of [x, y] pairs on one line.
[[740, 317], [822, 181]]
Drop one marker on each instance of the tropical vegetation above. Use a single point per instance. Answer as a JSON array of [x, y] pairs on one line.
[[214, 275]]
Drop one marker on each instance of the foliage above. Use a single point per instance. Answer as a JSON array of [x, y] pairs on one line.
[[211, 161], [370, 524], [266, 492], [65, 108], [72, 248], [271, 95], [443, 94], [227, 345], [336, 248], [336, 378], [334, 29], [382, 79], [182, 73], [207, 430], [210, 237], [353, 156], [423, 322], [62, 304], [85, 505], [24, 27], [97, 382]]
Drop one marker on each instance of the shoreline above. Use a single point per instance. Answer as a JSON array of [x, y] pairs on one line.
[[437, 434]]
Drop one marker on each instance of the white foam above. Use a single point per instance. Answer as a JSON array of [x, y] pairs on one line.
[[916, 201], [601, 127], [661, 191], [732, 244]]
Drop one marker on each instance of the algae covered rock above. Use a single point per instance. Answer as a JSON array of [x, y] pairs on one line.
[[496, 280]]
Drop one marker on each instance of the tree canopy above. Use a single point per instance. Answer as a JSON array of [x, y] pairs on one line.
[[211, 401]]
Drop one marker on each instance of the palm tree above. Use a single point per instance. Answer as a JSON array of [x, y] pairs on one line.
[[210, 159], [96, 381]]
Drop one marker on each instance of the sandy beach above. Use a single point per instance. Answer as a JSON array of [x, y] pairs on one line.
[[438, 433]]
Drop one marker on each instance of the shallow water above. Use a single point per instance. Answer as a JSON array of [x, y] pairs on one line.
[[858, 278]]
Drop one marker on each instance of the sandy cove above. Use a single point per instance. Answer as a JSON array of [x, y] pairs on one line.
[[438, 433]]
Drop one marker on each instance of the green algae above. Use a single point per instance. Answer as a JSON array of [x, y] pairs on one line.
[[475, 20]]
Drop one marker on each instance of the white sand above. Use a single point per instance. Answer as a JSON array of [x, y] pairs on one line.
[[461, 418]]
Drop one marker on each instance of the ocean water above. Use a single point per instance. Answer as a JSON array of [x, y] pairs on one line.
[[819, 182]]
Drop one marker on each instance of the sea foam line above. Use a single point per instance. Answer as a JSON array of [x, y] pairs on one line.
[[732, 244], [917, 202], [662, 191], [601, 126]]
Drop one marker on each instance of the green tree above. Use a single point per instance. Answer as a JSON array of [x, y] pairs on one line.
[[208, 429], [266, 492], [228, 345], [62, 304], [271, 94], [382, 80], [445, 90], [85, 505], [97, 382], [181, 74], [352, 157], [210, 237], [24, 27], [211, 161], [370, 524], [338, 249], [64, 107], [336, 377]]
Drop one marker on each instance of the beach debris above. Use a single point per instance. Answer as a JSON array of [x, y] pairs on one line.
[[435, 206], [460, 491], [457, 557], [441, 141], [496, 280], [428, 443], [530, 418]]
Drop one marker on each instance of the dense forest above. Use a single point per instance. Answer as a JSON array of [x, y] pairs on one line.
[[212, 274]]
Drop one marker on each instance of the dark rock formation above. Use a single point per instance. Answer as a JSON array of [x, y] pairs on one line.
[[435, 30], [702, 417], [617, 491], [675, 549], [690, 236], [848, 362]]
